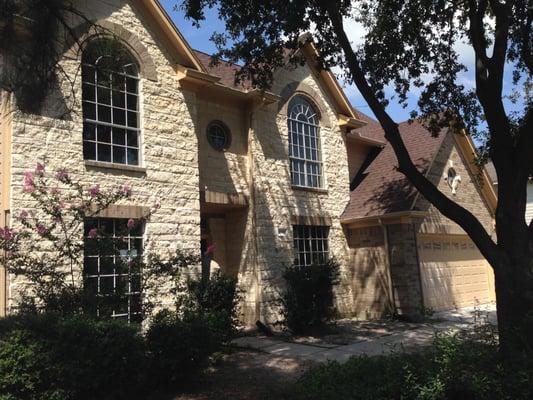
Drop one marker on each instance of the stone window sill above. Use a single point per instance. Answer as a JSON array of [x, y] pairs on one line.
[[310, 189], [117, 167]]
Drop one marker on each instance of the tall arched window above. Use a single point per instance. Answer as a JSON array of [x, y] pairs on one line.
[[110, 94], [304, 144]]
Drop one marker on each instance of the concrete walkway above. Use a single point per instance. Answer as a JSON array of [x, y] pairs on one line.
[[368, 338]]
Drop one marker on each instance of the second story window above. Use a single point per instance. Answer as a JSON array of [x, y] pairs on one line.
[[304, 144], [110, 95]]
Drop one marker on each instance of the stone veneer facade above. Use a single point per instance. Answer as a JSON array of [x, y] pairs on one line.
[[179, 170], [178, 165]]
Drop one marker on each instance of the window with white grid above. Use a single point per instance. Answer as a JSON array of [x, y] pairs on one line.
[[304, 144], [110, 94], [310, 244], [111, 274]]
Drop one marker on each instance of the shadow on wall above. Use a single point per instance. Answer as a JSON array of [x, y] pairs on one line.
[[368, 276]]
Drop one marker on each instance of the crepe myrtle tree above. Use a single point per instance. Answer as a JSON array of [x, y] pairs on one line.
[[414, 44]]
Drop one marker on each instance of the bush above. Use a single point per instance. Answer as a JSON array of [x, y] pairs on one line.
[[179, 347], [46, 357], [308, 299], [216, 299], [455, 367]]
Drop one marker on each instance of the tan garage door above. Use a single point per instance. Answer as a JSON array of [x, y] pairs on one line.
[[454, 273]]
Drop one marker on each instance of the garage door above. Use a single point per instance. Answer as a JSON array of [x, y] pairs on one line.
[[454, 273]]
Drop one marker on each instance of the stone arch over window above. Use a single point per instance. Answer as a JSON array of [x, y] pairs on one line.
[[87, 31], [301, 89], [305, 150]]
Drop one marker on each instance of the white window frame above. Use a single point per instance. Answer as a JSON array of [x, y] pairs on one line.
[[125, 255], [305, 149], [94, 104], [311, 244]]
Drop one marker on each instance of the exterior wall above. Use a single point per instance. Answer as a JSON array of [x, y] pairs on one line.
[[356, 156], [222, 171], [276, 202], [369, 282], [169, 172], [405, 269], [468, 193]]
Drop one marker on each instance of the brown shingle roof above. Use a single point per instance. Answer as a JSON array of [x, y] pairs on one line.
[[383, 189], [224, 70]]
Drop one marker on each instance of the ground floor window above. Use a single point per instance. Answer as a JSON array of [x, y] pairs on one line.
[[310, 244], [112, 276]]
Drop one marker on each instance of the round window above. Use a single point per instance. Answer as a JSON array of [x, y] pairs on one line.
[[218, 135]]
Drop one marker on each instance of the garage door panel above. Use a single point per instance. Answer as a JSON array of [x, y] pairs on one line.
[[453, 272]]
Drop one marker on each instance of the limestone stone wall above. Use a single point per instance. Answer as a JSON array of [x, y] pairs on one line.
[[223, 171], [276, 202], [468, 193], [169, 169]]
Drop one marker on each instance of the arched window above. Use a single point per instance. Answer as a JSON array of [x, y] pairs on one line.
[[110, 94], [304, 144]]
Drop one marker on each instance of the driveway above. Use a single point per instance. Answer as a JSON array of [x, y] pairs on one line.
[[350, 337]]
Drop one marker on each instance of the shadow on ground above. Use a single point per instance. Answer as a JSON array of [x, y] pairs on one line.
[[245, 375]]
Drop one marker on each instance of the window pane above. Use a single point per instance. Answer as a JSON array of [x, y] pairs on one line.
[[118, 99], [132, 119], [87, 73], [104, 152], [119, 136], [88, 92], [89, 131], [132, 102], [133, 156], [119, 155], [104, 134], [89, 110], [104, 113], [119, 116], [133, 139], [89, 150], [131, 85], [104, 95]]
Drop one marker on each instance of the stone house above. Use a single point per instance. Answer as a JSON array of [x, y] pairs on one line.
[[293, 175]]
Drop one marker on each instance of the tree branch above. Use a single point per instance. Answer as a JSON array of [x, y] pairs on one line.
[[446, 206]]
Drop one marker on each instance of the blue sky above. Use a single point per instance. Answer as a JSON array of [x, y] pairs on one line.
[[198, 38]]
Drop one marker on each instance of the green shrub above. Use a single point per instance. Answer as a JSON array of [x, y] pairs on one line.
[[216, 299], [455, 367], [179, 347], [46, 357], [308, 299]]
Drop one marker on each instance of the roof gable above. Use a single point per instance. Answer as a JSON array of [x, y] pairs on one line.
[[382, 188]]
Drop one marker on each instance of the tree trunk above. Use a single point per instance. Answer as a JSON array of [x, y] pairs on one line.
[[514, 295]]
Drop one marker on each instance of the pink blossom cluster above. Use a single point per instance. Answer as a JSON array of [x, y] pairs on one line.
[[28, 182], [94, 191], [7, 234]]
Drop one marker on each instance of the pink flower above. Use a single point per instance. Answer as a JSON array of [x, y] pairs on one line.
[[23, 215], [62, 176], [126, 190], [41, 229], [29, 184], [94, 190], [6, 234], [92, 233], [131, 223], [39, 169], [211, 249]]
